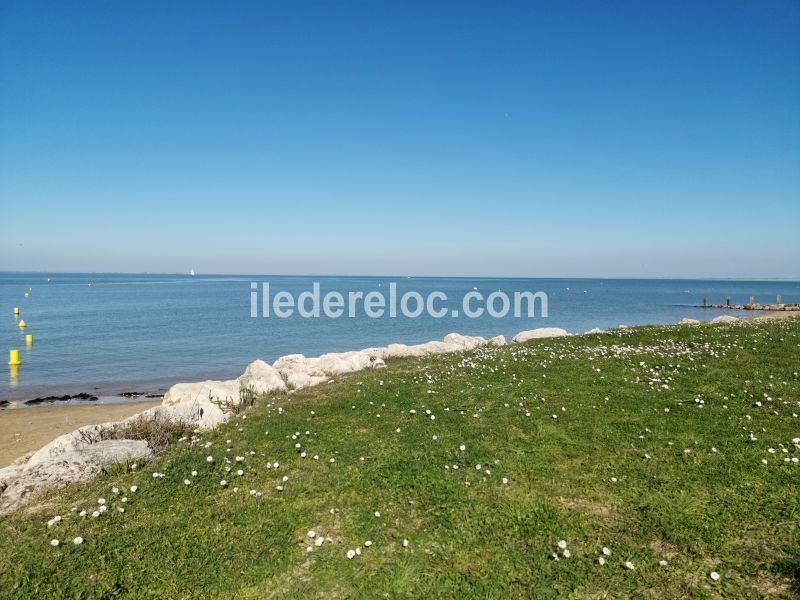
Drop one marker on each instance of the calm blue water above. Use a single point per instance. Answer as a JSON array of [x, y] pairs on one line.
[[143, 333]]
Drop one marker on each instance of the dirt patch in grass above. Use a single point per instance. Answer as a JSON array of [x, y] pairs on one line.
[[591, 507]]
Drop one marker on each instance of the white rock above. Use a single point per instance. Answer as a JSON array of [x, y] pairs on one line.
[[262, 378], [201, 403], [65, 460], [498, 340], [541, 333], [466, 342], [688, 321], [725, 319]]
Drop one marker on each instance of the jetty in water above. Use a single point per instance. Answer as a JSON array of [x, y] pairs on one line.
[[752, 305]]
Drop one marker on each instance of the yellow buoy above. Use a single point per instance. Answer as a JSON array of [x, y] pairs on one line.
[[27, 294], [22, 324], [16, 311], [29, 339], [13, 358], [30, 289]]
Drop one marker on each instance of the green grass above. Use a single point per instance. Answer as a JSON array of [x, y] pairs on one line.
[[470, 535]]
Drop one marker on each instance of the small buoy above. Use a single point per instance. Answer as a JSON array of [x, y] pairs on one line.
[[16, 311], [29, 339], [13, 358], [27, 295], [22, 324]]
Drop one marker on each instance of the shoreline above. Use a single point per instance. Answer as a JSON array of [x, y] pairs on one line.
[[45, 451], [23, 432], [87, 399]]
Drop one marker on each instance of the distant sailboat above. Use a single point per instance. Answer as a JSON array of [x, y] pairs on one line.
[[191, 272]]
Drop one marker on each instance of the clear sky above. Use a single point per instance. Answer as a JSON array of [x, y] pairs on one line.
[[433, 138]]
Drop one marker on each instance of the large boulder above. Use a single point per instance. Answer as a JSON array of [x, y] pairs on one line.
[[346, 362], [465, 342], [541, 333], [725, 319], [67, 459], [262, 378], [498, 340], [300, 372], [204, 404]]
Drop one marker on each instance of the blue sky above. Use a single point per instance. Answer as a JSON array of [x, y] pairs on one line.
[[452, 138]]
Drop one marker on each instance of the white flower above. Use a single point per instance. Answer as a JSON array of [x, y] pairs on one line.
[[120, 509], [96, 514], [279, 488], [333, 460], [368, 543], [462, 447], [505, 480], [377, 513], [319, 541], [133, 489], [187, 482], [312, 534], [606, 550], [54, 543], [101, 500], [714, 575], [566, 553], [601, 560], [77, 541], [115, 491], [124, 499], [662, 563], [562, 544], [405, 543], [82, 513], [240, 472], [628, 565], [351, 554], [223, 482]]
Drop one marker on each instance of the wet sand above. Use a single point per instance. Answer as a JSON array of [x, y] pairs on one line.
[[23, 431]]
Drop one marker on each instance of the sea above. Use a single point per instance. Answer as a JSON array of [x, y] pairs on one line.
[[111, 334]]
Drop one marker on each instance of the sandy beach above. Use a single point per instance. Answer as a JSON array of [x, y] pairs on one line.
[[23, 431]]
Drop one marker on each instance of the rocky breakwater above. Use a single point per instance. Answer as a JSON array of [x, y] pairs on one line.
[[88, 451]]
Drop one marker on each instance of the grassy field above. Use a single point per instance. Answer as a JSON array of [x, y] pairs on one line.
[[666, 446]]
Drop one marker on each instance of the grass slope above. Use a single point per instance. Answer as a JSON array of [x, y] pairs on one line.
[[646, 441]]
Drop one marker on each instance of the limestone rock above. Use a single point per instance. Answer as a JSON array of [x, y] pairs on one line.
[[725, 319], [201, 403], [688, 321], [67, 459], [498, 340], [466, 342], [541, 333], [262, 378]]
